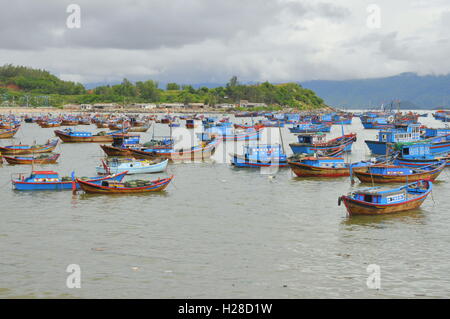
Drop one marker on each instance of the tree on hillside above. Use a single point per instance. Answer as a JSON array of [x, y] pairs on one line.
[[172, 86]]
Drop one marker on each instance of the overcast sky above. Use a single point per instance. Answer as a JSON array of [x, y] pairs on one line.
[[198, 41]]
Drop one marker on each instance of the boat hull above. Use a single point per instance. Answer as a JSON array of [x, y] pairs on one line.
[[155, 168], [99, 189], [355, 207], [305, 170], [29, 161], [115, 151], [366, 177], [8, 133], [66, 138]]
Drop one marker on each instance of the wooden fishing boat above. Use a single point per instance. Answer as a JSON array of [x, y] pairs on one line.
[[50, 180], [378, 201], [140, 129], [47, 124], [29, 160], [130, 187], [71, 136], [383, 173], [199, 152], [8, 133], [132, 166], [310, 143], [69, 122], [28, 149], [122, 143], [311, 166]]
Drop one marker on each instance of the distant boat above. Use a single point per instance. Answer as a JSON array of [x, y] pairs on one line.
[[129, 187], [418, 155], [8, 133], [312, 166], [71, 136], [310, 143], [131, 166], [399, 174], [22, 149], [50, 180], [261, 155], [379, 201], [199, 152], [29, 160]]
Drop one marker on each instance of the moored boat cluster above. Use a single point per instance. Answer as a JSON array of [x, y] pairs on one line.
[[404, 151]]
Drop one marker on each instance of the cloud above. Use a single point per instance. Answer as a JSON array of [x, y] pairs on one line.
[[191, 41]]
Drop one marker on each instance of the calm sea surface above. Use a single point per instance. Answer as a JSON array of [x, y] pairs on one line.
[[216, 232]]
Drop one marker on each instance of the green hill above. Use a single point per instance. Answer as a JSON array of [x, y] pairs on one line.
[[23, 85], [37, 81]]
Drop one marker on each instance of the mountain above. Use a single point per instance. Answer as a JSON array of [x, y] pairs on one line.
[[414, 91]]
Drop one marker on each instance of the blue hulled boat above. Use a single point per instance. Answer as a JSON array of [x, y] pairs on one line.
[[310, 128], [50, 180], [419, 154], [391, 136], [260, 156]]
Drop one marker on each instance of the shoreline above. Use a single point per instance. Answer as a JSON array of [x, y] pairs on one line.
[[28, 110]]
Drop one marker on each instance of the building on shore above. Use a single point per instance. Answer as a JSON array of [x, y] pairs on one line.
[[246, 103]]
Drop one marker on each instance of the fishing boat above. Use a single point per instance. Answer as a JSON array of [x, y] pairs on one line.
[[199, 152], [69, 122], [8, 133], [71, 136], [384, 173], [121, 145], [378, 201], [390, 136], [324, 166], [141, 129], [40, 159], [310, 128], [131, 166], [310, 143], [129, 187], [49, 123], [418, 155], [22, 149], [50, 180], [260, 156], [226, 134]]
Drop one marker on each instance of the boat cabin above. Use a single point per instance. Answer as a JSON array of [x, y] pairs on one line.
[[43, 176], [390, 170], [433, 132], [125, 140], [412, 133], [263, 152], [71, 132], [325, 162], [311, 138], [377, 195], [416, 151]]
